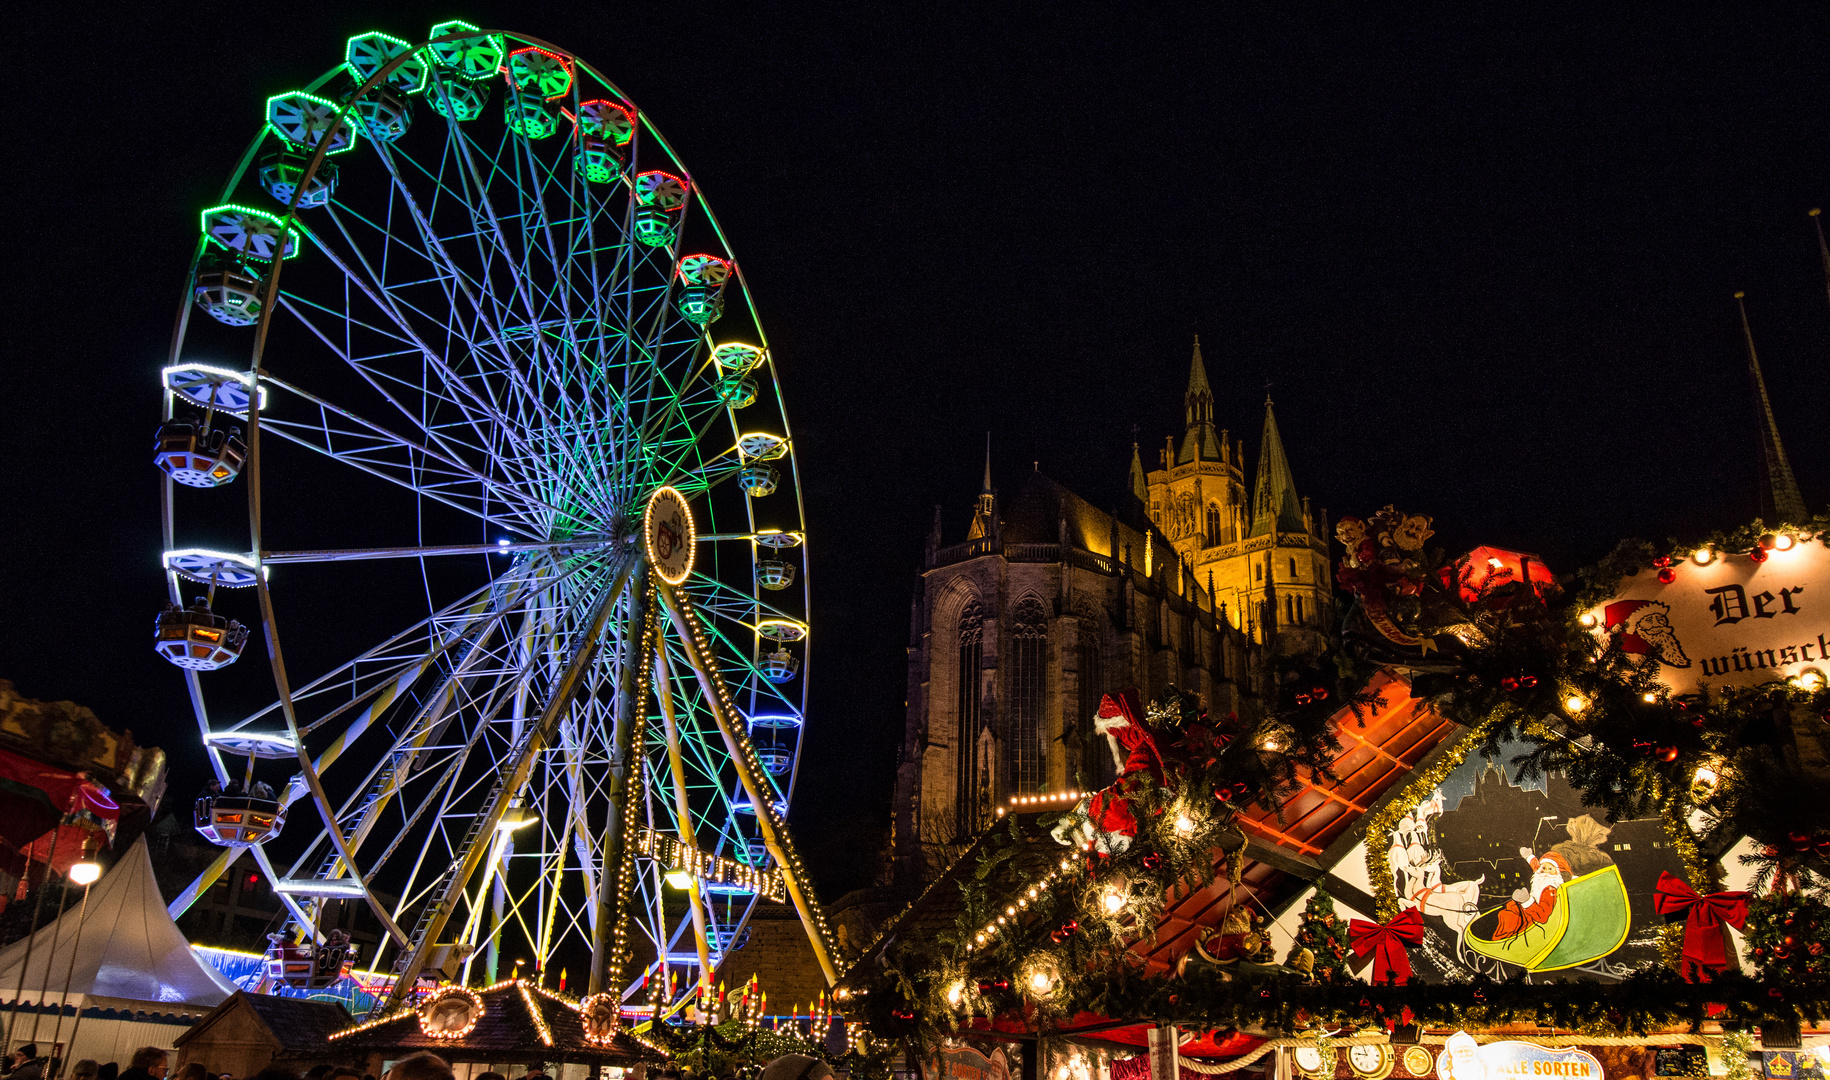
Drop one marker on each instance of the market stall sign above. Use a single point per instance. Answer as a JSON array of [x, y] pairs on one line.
[[1463, 1059], [1729, 622]]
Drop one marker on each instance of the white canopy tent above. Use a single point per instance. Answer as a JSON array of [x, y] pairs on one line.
[[128, 969]]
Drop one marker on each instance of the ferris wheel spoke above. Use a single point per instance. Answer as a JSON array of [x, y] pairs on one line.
[[342, 434], [481, 413]]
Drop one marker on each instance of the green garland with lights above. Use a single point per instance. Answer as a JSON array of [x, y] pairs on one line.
[[1052, 941], [736, 1048]]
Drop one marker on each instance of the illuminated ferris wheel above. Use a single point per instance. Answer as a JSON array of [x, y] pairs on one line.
[[525, 540]]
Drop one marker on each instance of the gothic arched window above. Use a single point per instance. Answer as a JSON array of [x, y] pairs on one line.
[[965, 743], [1214, 539], [1028, 676], [1093, 755]]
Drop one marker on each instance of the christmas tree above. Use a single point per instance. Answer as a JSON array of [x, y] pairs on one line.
[[1322, 934], [1788, 936]]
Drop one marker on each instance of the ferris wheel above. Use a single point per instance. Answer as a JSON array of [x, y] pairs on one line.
[[525, 543]]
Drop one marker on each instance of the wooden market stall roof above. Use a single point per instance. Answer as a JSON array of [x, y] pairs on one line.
[[520, 1021], [1382, 750]]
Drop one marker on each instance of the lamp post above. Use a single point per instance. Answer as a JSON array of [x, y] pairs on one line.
[[85, 873]]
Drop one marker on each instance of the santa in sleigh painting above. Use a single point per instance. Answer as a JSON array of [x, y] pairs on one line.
[[1574, 911]]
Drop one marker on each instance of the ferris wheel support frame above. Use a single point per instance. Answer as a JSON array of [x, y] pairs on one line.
[[685, 623], [508, 788]]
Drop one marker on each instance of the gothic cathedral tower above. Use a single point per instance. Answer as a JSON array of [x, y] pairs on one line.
[[1259, 551]]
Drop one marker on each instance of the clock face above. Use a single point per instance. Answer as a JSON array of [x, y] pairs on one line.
[[1417, 1061], [1373, 1062], [1311, 1062]]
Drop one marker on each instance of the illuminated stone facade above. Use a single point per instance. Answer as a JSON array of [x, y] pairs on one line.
[[1048, 602]]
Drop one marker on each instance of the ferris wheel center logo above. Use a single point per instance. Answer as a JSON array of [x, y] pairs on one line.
[[667, 533]]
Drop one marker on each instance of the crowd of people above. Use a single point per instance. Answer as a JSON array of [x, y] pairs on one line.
[[153, 1063]]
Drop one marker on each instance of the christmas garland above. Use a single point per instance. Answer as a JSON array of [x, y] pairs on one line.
[[1051, 936], [737, 1048]]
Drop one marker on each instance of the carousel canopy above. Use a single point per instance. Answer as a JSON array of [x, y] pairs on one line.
[[128, 948]]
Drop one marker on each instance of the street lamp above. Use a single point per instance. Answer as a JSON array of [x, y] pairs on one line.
[[84, 872]]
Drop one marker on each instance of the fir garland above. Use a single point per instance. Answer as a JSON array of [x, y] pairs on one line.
[[1531, 672]]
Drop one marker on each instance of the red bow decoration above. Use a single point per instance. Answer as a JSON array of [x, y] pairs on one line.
[[1704, 949], [1386, 943]]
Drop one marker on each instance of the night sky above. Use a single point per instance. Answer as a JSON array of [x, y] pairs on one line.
[[1484, 256]]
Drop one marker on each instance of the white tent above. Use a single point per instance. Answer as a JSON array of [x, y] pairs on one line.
[[129, 955]]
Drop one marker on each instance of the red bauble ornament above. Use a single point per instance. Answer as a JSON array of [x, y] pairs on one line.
[[1789, 941], [1264, 993], [1816, 948], [1528, 681], [1667, 754], [1175, 999], [1223, 794], [1788, 920], [1781, 954], [1759, 950], [1775, 993], [1667, 576], [1509, 684], [1662, 561], [1302, 699], [1151, 860], [1320, 693], [1758, 555], [1801, 839]]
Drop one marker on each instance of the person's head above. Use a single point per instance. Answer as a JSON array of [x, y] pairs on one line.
[[193, 1071], [25, 1053], [85, 1067], [536, 1069], [489, 1076], [108, 1071], [420, 1066], [344, 1072], [275, 1073], [317, 1072], [150, 1058]]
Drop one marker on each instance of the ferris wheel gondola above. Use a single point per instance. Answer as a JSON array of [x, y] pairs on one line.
[[526, 332]]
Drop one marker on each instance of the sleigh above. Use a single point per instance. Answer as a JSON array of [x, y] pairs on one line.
[[1602, 918]]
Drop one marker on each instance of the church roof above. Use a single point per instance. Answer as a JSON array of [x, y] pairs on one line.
[[129, 947], [1274, 504]]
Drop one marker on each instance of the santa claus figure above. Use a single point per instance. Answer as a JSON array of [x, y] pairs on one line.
[[1532, 906], [1105, 820]]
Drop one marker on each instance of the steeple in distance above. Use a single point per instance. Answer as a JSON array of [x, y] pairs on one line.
[[1781, 495], [1138, 486], [985, 514], [1823, 249], [1275, 507], [1199, 442]]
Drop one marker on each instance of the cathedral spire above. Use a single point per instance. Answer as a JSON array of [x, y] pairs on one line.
[[1199, 441], [1275, 507], [1138, 487], [985, 513], [1786, 502]]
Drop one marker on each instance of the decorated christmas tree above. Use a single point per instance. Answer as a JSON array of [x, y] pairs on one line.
[[1788, 936], [1322, 935]]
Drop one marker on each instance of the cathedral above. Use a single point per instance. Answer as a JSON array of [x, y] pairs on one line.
[[1048, 602]]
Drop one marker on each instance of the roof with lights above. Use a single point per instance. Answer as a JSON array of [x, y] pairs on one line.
[[518, 1019]]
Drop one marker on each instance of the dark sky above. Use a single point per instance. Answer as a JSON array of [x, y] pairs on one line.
[[1484, 255]]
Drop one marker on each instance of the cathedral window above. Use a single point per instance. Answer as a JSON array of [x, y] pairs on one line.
[[1214, 538], [1029, 646], [1095, 761], [1293, 569], [1258, 572], [965, 763]]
